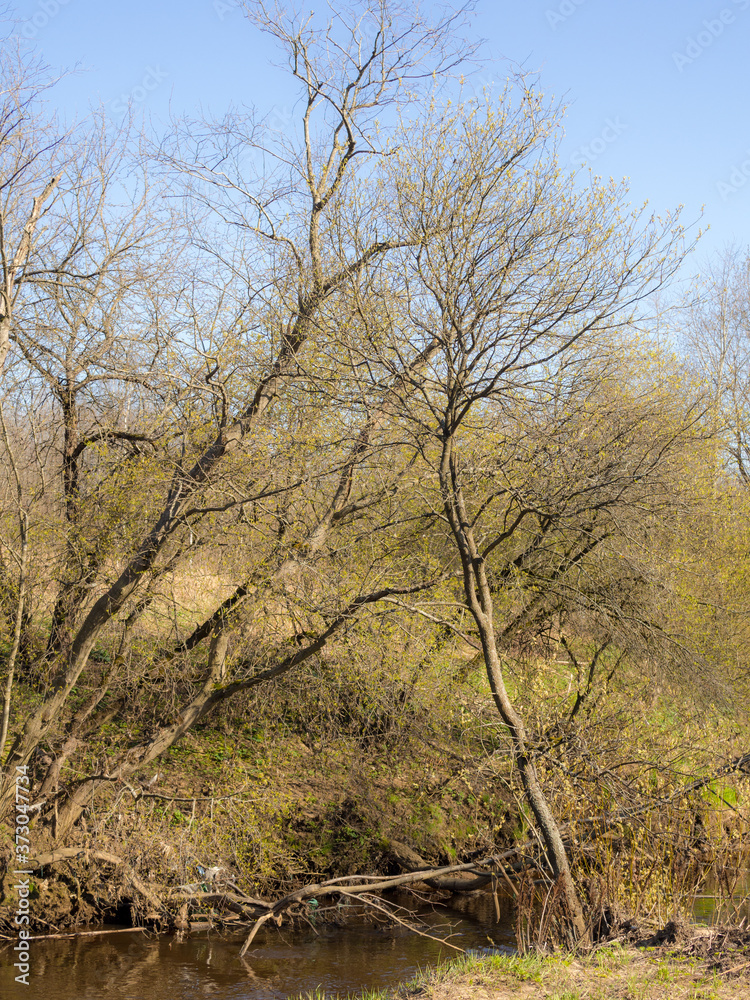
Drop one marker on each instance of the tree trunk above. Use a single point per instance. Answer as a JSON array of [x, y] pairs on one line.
[[478, 596]]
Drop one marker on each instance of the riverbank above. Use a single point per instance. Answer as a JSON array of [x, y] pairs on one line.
[[221, 820], [238, 815], [707, 967], [244, 811]]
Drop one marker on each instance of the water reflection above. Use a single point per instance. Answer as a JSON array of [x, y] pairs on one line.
[[712, 906], [134, 967]]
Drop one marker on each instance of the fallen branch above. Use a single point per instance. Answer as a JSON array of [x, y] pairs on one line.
[[245, 907], [404, 923], [68, 854], [336, 886], [139, 793], [736, 968], [410, 861], [73, 934], [348, 885]]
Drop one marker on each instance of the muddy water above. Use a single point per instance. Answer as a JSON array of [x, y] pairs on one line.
[[133, 967]]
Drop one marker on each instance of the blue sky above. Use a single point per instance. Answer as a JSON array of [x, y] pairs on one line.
[[656, 92]]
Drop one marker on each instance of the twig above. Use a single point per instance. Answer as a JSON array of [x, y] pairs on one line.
[[137, 794], [736, 968], [404, 923], [379, 885]]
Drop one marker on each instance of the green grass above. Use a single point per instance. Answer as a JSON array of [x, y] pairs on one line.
[[611, 972]]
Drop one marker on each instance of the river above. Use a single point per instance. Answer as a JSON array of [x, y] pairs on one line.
[[134, 966], [280, 964]]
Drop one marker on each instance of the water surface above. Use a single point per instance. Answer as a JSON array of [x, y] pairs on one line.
[[133, 966]]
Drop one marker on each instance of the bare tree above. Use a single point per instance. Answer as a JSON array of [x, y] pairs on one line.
[[294, 268], [32, 154], [716, 329], [525, 289], [90, 337], [380, 365]]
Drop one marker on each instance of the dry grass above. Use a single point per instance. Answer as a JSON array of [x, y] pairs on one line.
[[609, 974]]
